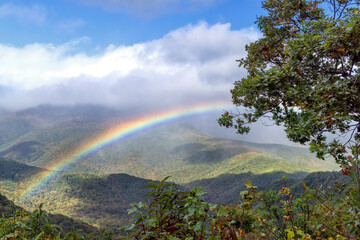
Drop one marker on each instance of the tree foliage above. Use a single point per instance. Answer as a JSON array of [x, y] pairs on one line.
[[304, 72], [274, 214], [171, 214]]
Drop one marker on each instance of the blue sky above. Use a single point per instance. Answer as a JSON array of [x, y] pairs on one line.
[[123, 53], [148, 55], [119, 22]]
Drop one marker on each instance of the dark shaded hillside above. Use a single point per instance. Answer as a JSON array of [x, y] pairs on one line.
[[16, 172], [101, 200], [325, 178], [24, 151], [7, 207], [93, 187], [225, 189], [199, 153], [322, 180], [215, 154]]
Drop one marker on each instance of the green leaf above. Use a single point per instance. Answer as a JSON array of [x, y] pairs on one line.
[[152, 222]]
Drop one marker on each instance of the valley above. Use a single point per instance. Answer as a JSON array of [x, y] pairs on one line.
[[99, 188]]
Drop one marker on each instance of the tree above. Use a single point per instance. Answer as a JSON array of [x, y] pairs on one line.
[[304, 74]]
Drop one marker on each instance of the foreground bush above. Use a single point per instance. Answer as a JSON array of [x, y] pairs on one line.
[[37, 226], [173, 214]]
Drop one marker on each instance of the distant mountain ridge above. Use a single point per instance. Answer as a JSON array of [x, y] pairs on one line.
[[19, 123], [41, 135]]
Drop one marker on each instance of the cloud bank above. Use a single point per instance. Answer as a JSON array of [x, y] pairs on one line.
[[193, 64]]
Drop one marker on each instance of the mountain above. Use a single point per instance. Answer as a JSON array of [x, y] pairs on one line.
[[15, 177], [7, 207], [42, 135], [100, 200], [103, 200], [14, 125], [100, 188], [225, 189], [230, 185]]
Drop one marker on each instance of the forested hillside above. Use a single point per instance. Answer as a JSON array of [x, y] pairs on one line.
[[175, 149], [9, 209], [103, 200]]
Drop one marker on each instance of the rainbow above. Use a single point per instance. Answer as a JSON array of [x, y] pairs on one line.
[[114, 135]]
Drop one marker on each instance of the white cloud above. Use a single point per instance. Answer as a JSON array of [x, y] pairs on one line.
[[35, 13], [190, 64], [151, 8]]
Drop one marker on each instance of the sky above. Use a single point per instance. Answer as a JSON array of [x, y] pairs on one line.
[[122, 52], [137, 54]]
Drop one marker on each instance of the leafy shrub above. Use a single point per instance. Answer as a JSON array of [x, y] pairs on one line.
[[317, 214], [172, 214]]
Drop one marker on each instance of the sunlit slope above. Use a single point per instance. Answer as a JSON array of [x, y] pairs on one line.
[[174, 149], [101, 200], [8, 208], [15, 177]]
